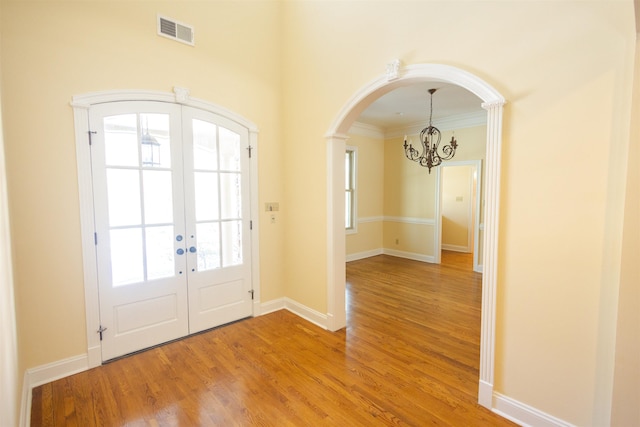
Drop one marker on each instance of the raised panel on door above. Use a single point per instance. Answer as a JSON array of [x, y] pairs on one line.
[[217, 197], [140, 229]]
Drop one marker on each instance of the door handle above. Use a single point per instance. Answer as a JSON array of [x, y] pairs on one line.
[[192, 249], [180, 251]]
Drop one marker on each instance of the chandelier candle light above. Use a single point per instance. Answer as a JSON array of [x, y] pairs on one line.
[[430, 139]]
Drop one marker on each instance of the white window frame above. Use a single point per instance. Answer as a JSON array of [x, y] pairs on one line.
[[353, 189]]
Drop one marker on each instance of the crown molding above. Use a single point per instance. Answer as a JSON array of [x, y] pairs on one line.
[[459, 121], [365, 129]]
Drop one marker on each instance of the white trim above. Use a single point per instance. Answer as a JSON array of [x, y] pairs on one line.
[[296, 308], [271, 306], [354, 213], [87, 228], [459, 121], [306, 313], [81, 105], [367, 219], [409, 255], [456, 248], [365, 129], [255, 220], [44, 374], [523, 414], [410, 220], [179, 96], [336, 238], [366, 254], [493, 102]]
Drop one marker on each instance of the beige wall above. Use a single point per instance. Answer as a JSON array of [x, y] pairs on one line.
[[370, 159], [290, 67], [561, 203], [457, 204], [54, 50]]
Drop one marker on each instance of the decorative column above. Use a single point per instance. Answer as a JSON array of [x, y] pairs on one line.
[[490, 252], [336, 252]]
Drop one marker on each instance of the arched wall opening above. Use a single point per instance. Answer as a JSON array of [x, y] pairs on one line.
[[493, 102]]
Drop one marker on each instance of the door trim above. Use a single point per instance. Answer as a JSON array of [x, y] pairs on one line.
[[81, 105]]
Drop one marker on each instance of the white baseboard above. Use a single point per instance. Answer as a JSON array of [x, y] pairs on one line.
[[271, 306], [409, 255], [456, 248], [298, 309], [363, 255], [523, 414], [44, 374], [485, 394]]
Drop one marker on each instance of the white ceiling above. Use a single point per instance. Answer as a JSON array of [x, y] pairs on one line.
[[408, 106]]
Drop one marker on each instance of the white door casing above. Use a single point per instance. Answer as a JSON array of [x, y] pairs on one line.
[[81, 106]]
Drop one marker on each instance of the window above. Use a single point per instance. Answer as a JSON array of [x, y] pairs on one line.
[[350, 217]]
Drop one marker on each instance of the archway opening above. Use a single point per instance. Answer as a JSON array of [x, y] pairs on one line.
[[493, 102]]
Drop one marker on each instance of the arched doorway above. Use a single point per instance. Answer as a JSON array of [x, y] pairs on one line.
[[336, 136]]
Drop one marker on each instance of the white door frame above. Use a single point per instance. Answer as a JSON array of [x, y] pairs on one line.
[[336, 136], [81, 105], [437, 241]]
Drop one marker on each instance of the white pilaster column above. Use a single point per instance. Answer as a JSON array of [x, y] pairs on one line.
[[336, 269], [490, 252]]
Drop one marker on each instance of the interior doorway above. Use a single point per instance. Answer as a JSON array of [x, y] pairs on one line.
[[459, 213], [493, 102]]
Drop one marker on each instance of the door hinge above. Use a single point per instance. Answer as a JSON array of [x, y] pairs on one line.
[[250, 225], [251, 292], [100, 330], [95, 238], [91, 132], [249, 148]]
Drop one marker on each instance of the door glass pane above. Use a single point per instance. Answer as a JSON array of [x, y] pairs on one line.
[[160, 253], [206, 191], [155, 144], [205, 156], [158, 200], [230, 195], [231, 243], [121, 140], [229, 150], [208, 246], [123, 195], [126, 256]]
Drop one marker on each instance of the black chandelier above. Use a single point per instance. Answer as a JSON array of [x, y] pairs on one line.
[[430, 139]]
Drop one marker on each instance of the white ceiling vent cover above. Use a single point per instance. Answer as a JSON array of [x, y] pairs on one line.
[[175, 30]]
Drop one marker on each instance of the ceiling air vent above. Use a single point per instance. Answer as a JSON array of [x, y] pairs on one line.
[[175, 30]]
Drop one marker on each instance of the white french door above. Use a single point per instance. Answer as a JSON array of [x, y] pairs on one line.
[[171, 206]]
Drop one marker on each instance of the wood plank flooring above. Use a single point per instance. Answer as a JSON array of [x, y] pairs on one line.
[[409, 356]]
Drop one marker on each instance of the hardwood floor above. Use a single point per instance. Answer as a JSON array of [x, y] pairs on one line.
[[409, 356]]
